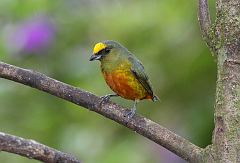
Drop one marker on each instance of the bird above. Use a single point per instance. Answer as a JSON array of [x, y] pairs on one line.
[[123, 73]]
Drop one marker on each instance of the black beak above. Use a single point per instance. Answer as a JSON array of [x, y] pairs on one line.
[[95, 57]]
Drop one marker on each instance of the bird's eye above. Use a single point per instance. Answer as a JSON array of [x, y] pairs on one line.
[[107, 50]]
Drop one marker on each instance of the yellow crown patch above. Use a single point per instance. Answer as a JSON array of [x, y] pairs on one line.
[[98, 47]]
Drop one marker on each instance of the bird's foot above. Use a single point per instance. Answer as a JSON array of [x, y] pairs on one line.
[[106, 98], [131, 113]]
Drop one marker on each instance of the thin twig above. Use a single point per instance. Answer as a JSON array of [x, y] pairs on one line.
[[204, 19], [141, 125], [33, 150], [203, 15]]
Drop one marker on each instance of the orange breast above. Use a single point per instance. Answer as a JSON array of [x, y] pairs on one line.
[[124, 83]]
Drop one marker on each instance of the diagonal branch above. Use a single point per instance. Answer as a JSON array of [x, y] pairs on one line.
[[203, 15], [141, 125], [33, 150], [204, 20]]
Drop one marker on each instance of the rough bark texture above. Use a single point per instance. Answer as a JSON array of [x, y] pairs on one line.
[[33, 150], [226, 139], [141, 125], [224, 41]]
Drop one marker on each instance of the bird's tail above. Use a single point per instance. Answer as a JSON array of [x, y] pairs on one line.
[[155, 98]]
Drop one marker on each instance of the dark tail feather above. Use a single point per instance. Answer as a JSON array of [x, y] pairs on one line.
[[155, 98]]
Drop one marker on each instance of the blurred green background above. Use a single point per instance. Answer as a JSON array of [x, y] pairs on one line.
[[57, 37]]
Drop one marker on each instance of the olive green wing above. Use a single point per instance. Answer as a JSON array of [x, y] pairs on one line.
[[139, 72]]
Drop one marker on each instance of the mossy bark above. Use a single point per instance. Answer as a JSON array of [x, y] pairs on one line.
[[225, 44]]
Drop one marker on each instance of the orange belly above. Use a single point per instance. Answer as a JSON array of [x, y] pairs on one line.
[[126, 85]]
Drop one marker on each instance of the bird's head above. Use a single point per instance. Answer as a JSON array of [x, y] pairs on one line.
[[105, 48]]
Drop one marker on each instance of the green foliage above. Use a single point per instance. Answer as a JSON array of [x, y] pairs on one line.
[[164, 35]]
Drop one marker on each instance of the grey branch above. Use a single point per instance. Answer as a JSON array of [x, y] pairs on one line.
[[33, 150], [204, 19], [203, 15], [140, 124]]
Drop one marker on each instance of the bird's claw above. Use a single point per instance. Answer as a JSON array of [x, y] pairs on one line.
[[104, 99], [130, 114]]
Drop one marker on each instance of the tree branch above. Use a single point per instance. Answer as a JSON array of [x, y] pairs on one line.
[[204, 16], [33, 150], [204, 21], [141, 125]]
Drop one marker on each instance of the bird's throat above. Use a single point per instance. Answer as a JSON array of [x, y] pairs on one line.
[[111, 63]]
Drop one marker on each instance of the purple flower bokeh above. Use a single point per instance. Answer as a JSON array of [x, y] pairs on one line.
[[32, 36]]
